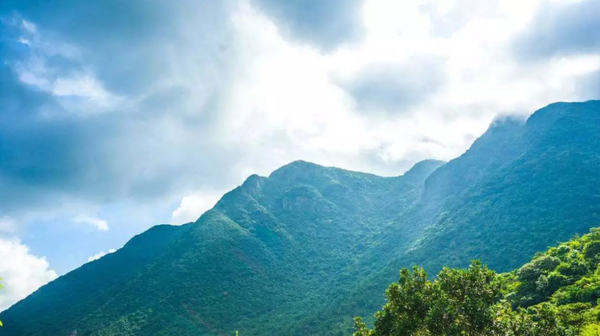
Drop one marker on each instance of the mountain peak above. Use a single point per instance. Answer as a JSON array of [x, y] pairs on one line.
[[297, 170], [297, 164], [424, 168], [506, 121], [253, 184], [549, 114]]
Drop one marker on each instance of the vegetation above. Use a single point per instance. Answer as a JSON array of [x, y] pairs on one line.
[[304, 250], [557, 293], [520, 188], [269, 252]]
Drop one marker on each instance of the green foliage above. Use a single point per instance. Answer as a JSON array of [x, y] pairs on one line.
[[591, 330], [573, 285], [572, 277], [457, 302], [540, 298]]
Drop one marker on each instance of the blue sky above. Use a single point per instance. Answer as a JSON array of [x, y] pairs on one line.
[[119, 115]]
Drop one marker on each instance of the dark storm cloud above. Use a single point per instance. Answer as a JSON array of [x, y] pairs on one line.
[[392, 88], [99, 158], [324, 23], [128, 42], [35, 155], [158, 140], [561, 29]]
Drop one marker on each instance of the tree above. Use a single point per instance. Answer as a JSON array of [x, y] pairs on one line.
[[459, 302]]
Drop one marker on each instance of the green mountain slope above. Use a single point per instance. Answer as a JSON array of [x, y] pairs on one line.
[[521, 187], [556, 294], [537, 192], [269, 250], [307, 248]]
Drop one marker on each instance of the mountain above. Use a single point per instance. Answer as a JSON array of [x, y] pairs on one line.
[[521, 187], [304, 250], [541, 184], [269, 250]]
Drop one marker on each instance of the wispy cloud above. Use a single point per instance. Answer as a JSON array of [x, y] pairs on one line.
[[8, 226], [100, 255], [194, 205], [98, 223]]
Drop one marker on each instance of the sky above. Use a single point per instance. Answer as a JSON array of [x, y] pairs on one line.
[[119, 115]]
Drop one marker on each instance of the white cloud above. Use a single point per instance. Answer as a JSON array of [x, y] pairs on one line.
[[100, 255], [193, 206], [8, 226], [82, 85], [289, 105], [95, 222], [29, 26], [22, 273]]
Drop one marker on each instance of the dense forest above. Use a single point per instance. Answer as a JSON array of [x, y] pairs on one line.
[[307, 248], [556, 294]]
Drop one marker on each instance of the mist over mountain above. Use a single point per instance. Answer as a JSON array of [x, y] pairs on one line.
[[302, 251]]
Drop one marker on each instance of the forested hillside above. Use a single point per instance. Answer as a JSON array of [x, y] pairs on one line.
[[307, 248], [556, 294], [521, 187], [268, 252]]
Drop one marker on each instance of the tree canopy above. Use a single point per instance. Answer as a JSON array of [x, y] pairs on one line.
[[556, 294]]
